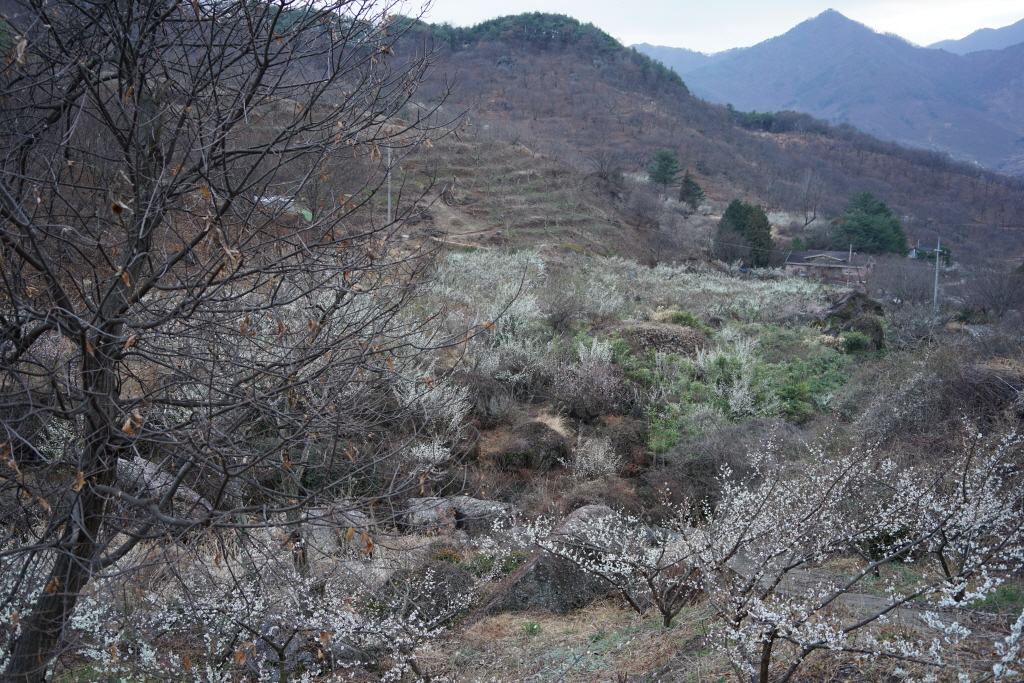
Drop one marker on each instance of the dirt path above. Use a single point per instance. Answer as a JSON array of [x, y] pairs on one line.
[[859, 605]]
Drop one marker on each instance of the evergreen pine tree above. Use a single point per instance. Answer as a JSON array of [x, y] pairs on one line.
[[749, 226], [664, 168], [870, 226], [690, 191]]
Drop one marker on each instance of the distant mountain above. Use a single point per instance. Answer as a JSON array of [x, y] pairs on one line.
[[681, 59], [983, 39], [971, 106]]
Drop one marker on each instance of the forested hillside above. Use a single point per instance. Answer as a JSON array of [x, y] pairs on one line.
[[984, 39], [576, 96]]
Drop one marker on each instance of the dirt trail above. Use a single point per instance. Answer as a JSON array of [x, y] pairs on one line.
[[456, 223], [858, 605]]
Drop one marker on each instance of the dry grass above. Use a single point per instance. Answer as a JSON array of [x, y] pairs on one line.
[[594, 644]]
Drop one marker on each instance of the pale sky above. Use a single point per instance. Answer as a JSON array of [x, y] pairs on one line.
[[710, 26]]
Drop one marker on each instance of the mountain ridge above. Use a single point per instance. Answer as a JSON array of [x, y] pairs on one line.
[[984, 39], [840, 70]]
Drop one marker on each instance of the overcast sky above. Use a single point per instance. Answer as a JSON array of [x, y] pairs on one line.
[[723, 24]]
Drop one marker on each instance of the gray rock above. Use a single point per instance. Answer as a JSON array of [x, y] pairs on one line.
[[870, 325], [473, 514], [346, 654], [325, 529], [549, 583], [429, 514], [577, 524], [298, 652], [852, 305], [434, 592]]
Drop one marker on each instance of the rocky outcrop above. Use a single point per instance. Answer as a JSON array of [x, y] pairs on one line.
[[644, 337], [144, 479], [870, 326], [458, 512], [548, 583], [852, 306], [325, 530], [428, 514], [474, 514]]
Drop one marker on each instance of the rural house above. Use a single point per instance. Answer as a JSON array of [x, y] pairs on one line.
[[832, 266]]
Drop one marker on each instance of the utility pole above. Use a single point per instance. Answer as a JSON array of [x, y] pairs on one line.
[[935, 297], [389, 184], [849, 264]]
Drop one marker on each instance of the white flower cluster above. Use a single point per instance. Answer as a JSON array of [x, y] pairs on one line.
[[252, 616], [592, 458], [757, 553]]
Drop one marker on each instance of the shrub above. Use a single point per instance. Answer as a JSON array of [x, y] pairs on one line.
[[855, 342], [692, 468], [591, 387], [690, 320], [489, 400], [592, 458], [534, 445], [579, 290]]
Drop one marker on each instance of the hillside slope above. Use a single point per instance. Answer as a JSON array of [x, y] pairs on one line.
[[589, 105]]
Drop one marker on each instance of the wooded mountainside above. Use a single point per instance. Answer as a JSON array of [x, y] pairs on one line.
[[571, 92]]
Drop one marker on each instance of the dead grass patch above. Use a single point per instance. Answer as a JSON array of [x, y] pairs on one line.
[[596, 643]]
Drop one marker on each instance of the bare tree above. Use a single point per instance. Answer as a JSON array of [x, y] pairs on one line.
[[180, 346], [605, 163], [643, 208], [811, 188], [994, 293], [907, 281]]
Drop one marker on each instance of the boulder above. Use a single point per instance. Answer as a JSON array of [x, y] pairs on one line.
[[533, 445], [143, 478], [299, 652], [325, 530], [577, 525], [871, 326], [851, 306], [433, 592], [428, 514], [473, 514], [644, 337], [549, 583], [490, 400]]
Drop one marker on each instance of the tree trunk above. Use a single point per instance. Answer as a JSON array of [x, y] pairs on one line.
[[80, 544], [766, 657]]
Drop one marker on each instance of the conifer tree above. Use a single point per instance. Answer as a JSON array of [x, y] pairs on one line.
[[869, 225], [749, 225], [690, 191], [664, 168]]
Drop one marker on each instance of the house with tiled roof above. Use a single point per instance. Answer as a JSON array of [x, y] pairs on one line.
[[845, 267]]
